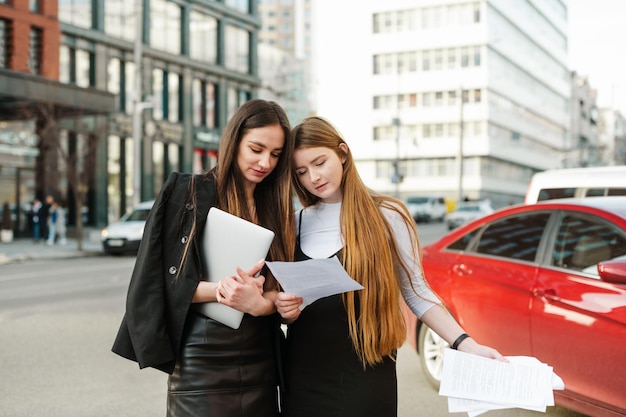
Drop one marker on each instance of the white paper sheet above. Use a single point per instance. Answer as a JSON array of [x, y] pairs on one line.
[[313, 279], [475, 384]]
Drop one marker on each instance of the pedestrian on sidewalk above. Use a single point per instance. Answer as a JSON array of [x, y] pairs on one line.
[[36, 219], [56, 222]]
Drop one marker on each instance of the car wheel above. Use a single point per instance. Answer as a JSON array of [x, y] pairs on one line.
[[431, 347]]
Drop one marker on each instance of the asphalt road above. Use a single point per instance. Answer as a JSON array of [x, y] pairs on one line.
[[58, 319]]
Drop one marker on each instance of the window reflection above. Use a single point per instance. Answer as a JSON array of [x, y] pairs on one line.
[[129, 86], [77, 12], [158, 94], [241, 5], [203, 37], [173, 95], [119, 19], [165, 26], [515, 237], [204, 108], [237, 49]]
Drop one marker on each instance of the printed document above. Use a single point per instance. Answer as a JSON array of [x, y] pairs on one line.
[[313, 279], [475, 384]]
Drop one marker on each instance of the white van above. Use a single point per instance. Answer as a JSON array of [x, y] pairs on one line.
[[577, 182]]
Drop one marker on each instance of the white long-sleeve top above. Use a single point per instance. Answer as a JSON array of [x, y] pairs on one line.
[[320, 237]]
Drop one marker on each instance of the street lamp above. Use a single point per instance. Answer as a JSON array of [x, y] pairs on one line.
[[396, 179], [460, 156], [138, 105]]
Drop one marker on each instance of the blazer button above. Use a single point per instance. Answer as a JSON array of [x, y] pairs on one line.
[[184, 239], [173, 270], [189, 206]]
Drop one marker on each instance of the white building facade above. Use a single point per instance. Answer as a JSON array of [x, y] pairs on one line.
[[424, 84]]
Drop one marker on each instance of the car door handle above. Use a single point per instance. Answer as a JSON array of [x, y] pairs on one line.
[[548, 293], [461, 269]]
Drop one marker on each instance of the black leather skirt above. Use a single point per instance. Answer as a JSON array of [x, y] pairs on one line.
[[224, 372]]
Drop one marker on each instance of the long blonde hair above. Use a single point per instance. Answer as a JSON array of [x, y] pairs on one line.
[[370, 252]]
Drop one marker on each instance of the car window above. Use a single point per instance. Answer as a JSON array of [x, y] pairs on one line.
[[595, 192], [617, 191], [138, 215], [582, 241], [514, 237], [461, 244], [552, 193], [469, 208]]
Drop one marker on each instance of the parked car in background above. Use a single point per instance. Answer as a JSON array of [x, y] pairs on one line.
[[125, 235], [466, 212], [425, 208], [546, 280], [577, 182]]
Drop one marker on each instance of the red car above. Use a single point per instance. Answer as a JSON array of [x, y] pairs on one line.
[[546, 280]]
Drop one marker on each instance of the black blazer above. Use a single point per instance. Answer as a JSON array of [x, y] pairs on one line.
[[158, 300]]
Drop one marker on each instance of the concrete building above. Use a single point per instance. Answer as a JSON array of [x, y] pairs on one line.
[[285, 55], [198, 64], [417, 86], [612, 137], [583, 146]]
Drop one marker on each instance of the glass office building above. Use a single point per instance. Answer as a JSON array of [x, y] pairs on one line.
[[198, 64], [80, 120]]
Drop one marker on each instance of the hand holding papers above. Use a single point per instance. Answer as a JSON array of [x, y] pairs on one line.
[[475, 384], [313, 279]]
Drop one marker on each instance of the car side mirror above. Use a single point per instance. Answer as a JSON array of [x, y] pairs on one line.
[[613, 271]]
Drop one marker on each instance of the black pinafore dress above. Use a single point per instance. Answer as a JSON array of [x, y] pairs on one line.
[[323, 374]]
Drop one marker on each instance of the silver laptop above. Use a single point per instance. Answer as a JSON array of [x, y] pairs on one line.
[[230, 242]]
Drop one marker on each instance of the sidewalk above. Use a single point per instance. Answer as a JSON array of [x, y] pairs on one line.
[[25, 249]]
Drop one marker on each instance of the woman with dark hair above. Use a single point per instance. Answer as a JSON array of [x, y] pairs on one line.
[[341, 350], [215, 370]]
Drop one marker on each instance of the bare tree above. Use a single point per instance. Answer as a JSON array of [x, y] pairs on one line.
[[79, 160]]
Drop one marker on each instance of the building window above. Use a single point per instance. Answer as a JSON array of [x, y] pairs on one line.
[[451, 98], [451, 58], [204, 108], [114, 80], [477, 96], [166, 93], [232, 101], [477, 56], [159, 94], [165, 27], [476, 12], [34, 50], [203, 37], [119, 18], [241, 5], [129, 86], [426, 60], [78, 12], [5, 43], [173, 97], [465, 57], [76, 65], [35, 6], [237, 49]]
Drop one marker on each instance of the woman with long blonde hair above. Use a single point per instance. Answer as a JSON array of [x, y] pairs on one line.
[[341, 350]]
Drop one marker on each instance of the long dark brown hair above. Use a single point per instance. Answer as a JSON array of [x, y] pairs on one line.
[[273, 195]]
